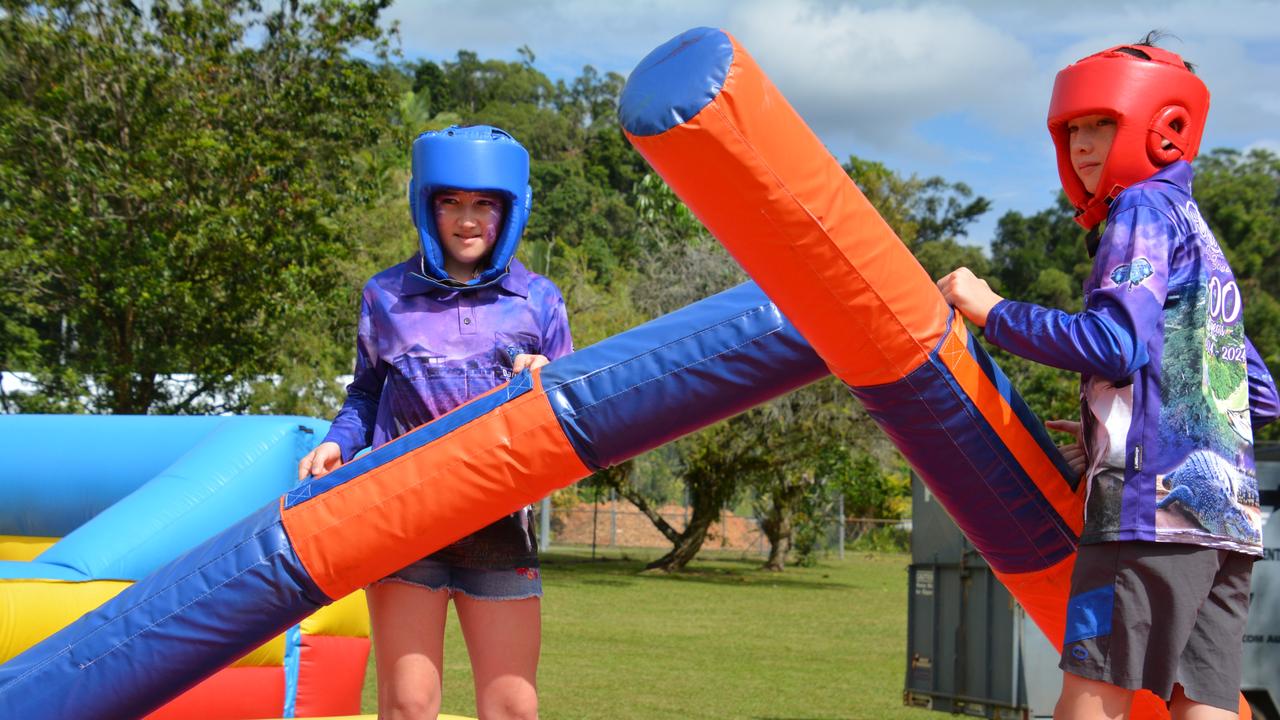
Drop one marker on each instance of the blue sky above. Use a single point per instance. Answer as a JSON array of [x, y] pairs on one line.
[[931, 88]]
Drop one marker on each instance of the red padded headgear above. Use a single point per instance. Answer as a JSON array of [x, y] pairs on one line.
[[1151, 100]]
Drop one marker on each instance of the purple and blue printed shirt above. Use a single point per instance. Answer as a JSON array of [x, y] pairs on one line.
[[1171, 389], [421, 351]]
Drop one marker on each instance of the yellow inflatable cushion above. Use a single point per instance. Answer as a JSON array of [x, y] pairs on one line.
[[348, 617], [18, 548], [32, 610]]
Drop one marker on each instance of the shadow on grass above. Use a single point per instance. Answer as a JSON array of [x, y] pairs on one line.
[[731, 572]]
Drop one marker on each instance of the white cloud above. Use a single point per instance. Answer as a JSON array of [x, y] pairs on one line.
[[869, 73], [878, 72], [611, 36], [1271, 145], [930, 86]]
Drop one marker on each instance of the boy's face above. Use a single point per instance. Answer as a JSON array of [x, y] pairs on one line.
[[467, 223], [1091, 137]]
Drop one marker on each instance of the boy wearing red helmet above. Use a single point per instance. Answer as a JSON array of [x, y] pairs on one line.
[[1171, 391]]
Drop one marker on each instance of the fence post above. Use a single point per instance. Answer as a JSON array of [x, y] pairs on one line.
[[613, 518], [840, 520], [686, 508], [544, 539]]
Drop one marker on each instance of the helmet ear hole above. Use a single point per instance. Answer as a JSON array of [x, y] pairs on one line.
[[1167, 138]]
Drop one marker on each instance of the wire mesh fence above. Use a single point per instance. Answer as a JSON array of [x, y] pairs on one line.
[[617, 523]]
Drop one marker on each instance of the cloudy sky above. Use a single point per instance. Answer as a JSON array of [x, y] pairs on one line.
[[933, 88]]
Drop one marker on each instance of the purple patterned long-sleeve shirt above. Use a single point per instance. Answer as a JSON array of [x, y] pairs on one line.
[[1171, 388], [422, 351]]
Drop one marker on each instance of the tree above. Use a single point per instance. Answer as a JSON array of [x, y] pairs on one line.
[[803, 443], [929, 215], [711, 463], [178, 187], [1041, 258]]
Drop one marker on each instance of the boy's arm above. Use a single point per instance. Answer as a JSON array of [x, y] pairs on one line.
[[1088, 342], [1264, 404], [352, 429], [1109, 338]]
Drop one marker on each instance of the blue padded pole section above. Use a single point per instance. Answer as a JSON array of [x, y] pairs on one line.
[[162, 635], [966, 464], [680, 372]]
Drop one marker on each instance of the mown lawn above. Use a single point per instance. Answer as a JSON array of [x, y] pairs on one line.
[[724, 640]]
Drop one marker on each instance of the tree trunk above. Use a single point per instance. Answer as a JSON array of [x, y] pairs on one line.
[[777, 528], [687, 544], [616, 477], [711, 479], [777, 525], [708, 493]]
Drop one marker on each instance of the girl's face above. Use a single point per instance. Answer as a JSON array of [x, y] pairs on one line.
[[1091, 137], [468, 223]]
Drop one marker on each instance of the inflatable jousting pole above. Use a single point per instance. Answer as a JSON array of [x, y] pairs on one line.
[[710, 122], [486, 459]]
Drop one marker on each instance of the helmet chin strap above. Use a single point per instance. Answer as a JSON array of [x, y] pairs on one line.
[[1092, 240], [1093, 237], [449, 283]]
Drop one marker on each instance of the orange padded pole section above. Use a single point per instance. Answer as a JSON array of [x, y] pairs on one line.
[[423, 500], [763, 184], [1043, 595]]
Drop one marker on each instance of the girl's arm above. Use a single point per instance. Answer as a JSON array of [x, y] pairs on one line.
[[352, 429], [556, 340]]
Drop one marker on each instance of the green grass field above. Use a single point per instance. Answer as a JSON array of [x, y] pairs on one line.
[[724, 640]]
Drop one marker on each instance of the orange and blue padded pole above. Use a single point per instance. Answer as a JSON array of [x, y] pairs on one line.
[[706, 117], [486, 459], [712, 124]]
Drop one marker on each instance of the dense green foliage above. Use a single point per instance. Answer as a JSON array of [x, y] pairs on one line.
[[170, 191], [192, 194]]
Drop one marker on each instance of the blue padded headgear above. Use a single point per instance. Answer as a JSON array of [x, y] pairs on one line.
[[478, 157]]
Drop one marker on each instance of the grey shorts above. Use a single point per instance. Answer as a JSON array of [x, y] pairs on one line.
[[1146, 615], [478, 583]]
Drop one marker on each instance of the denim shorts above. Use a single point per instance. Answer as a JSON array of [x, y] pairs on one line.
[[479, 583]]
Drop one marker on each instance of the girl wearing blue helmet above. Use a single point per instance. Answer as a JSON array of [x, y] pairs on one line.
[[455, 320]]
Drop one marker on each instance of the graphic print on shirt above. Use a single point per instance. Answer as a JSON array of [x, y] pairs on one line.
[[424, 384], [1132, 273], [1111, 407], [1205, 396]]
